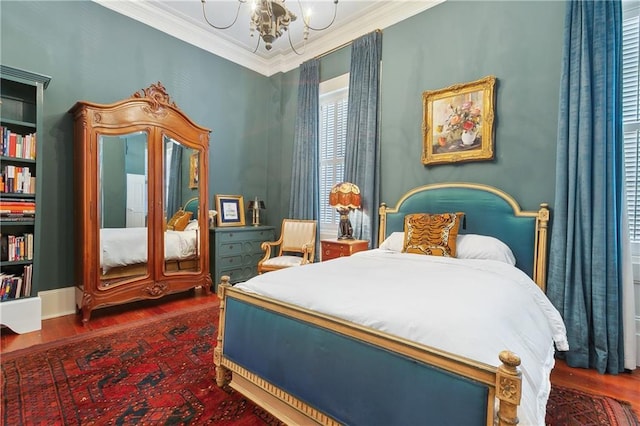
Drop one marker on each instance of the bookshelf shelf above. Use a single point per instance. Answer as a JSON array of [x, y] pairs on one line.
[[4, 159], [16, 263], [4, 223], [19, 123], [21, 117]]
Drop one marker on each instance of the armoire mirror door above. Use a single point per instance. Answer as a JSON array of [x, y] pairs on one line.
[[141, 184], [123, 197], [182, 192]]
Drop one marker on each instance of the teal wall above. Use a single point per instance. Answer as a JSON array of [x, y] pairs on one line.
[[519, 42], [95, 54]]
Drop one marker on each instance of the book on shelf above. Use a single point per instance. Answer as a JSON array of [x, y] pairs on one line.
[[18, 179], [28, 280], [15, 248], [14, 286], [16, 145], [26, 219], [5, 285], [13, 208]]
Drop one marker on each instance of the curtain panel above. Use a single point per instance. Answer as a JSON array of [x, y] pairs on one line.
[[304, 201], [585, 255], [362, 151]]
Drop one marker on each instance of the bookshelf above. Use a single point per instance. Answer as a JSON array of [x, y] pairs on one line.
[[21, 116]]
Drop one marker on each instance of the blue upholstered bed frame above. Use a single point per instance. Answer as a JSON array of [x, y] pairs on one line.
[[487, 211], [193, 206], [310, 368]]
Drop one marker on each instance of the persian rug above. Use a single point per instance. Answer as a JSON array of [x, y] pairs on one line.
[[161, 372], [569, 407], [145, 373]]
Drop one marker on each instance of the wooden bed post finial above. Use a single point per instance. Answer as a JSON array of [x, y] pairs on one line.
[[542, 235], [508, 388], [382, 213], [221, 371]]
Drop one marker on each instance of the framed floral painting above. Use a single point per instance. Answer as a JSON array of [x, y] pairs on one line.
[[458, 123]]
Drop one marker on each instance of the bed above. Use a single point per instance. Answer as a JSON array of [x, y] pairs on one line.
[[123, 251], [377, 338]]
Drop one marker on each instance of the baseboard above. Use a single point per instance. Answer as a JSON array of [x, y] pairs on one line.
[[58, 302]]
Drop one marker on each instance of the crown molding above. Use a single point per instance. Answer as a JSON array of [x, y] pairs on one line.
[[150, 14], [382, 14]]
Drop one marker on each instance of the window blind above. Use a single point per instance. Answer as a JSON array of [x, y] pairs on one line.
[[334, 100], [333, 131], [631, 116]]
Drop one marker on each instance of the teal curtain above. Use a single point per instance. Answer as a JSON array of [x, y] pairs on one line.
[[174, 197], [304, 202], [584, 269], [362, 150]]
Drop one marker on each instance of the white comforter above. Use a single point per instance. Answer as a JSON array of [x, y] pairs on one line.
[[128, 246], [474, 308]]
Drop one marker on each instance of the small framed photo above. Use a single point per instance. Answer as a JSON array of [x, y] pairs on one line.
[[458, 123], [230, 210]]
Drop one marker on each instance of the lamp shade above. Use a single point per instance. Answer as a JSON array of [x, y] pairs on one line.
[[345, 195], [256, 204]]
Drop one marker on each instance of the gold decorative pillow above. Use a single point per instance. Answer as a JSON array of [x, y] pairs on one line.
[[431, 234], [179, 220]]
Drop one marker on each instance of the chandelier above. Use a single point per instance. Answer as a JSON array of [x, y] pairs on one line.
[[270, 19]]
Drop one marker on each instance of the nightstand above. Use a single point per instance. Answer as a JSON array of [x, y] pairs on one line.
[[332, 249], [235, 251]]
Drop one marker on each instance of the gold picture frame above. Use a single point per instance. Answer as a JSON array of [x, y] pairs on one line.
[[458, 123], [194, 170], [230, 210]]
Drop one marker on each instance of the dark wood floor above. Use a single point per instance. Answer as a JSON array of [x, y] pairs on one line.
[[624, 386]]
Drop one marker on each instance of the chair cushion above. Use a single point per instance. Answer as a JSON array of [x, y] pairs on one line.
[[296, 234], [283, 261]]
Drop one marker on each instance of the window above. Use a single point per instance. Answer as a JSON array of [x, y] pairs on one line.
[[333, 132], [631, 116]]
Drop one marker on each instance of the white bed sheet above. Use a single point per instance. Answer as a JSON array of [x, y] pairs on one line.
[[474, 308], [128, 246]]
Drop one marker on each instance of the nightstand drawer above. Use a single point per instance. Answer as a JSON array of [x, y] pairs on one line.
[[253, 235], [227, 261], [332, 249], [226, 249]]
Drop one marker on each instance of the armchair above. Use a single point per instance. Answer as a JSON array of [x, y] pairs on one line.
[[297, 246]]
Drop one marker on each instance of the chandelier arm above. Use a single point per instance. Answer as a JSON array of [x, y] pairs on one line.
[[240, 2], [257, 45], [335, 13], [291, 44]]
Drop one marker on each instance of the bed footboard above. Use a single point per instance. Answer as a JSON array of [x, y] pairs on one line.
[[305, 367]]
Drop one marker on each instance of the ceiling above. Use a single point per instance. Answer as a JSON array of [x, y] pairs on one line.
[[184, 19]]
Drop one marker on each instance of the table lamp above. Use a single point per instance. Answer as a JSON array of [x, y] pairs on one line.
[[345, 196], [255, 206]]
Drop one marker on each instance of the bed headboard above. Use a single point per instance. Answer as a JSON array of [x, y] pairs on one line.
[[193, 206], [488, 211]]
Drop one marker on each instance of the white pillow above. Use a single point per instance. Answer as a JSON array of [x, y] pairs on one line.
[[468, 246], [393, 242], [473, 246], [192, 225]]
